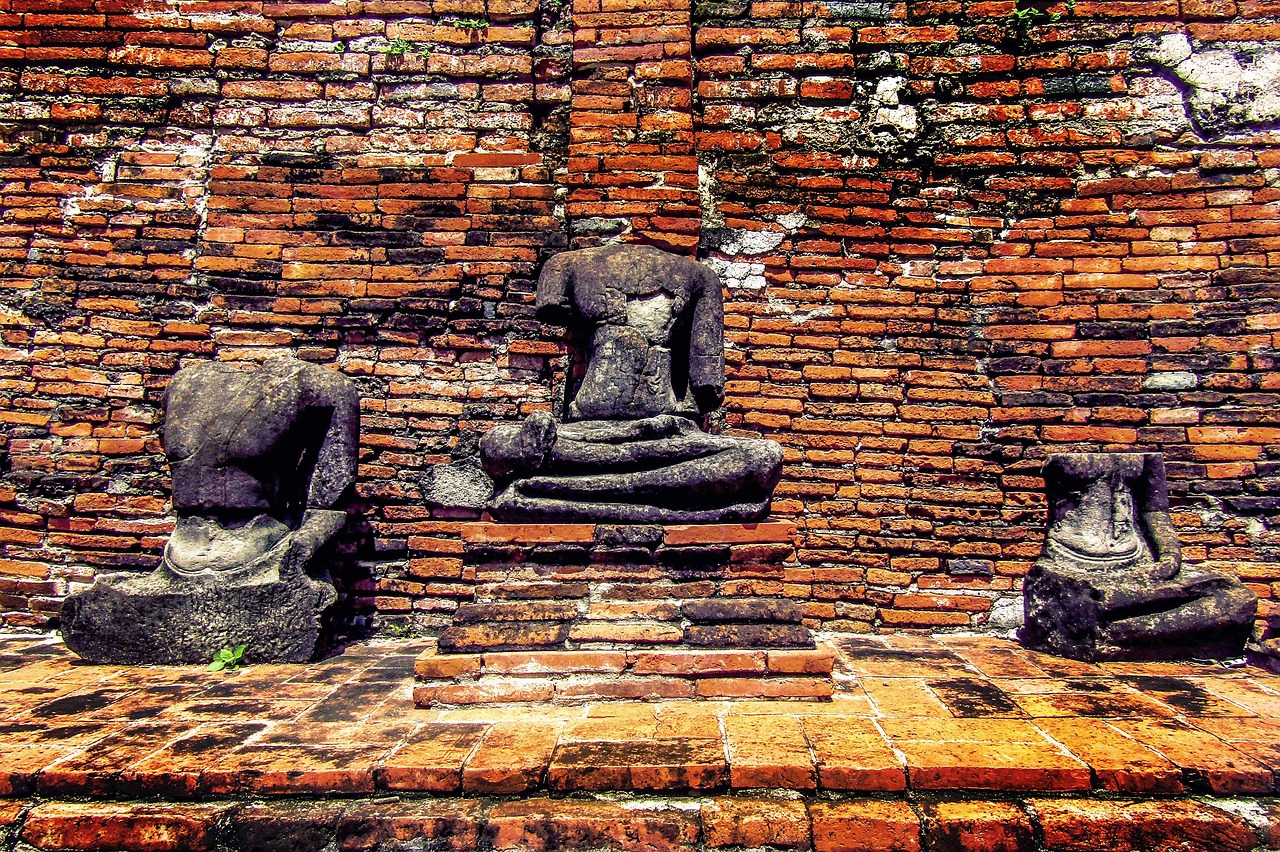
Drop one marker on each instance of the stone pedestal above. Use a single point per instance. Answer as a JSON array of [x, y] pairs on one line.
[[125, 620], [585, 612]]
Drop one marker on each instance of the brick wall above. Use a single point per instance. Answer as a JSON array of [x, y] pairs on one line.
[[954, 236]]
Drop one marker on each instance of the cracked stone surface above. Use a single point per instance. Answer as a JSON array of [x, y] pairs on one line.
[[1228, 89]]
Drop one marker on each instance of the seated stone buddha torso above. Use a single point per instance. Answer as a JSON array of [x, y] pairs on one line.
[[630, 449]]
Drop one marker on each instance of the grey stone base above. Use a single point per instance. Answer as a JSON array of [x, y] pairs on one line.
[[154, 619], [1204, 616]]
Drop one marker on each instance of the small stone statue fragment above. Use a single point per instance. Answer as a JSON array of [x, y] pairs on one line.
[[259, 459], [1110, 584], [631, 450]]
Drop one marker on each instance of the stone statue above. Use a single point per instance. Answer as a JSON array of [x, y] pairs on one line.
[[1110, 584], [259, 459], [631, 450]]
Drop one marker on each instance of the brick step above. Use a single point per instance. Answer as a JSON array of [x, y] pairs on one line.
[[540, 624], [576, 676], [658, 823], [617, 634]]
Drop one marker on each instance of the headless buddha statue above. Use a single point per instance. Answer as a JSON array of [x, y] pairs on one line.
[[259, 459], [630, 449], [1110, 584]]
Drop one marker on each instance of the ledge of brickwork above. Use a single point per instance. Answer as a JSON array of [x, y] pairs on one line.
[[575, 677], [652, 825]]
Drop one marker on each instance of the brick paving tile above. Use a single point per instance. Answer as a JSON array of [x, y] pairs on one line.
[[453, 825], [1207, 763], [768, 751], [754, 823], [541, 825], [513, 757], [20, 766], [1063, 667], [640, 725], [1119, 763], [993, 657], [175, 770], [1111, 703], [84, 702], [652, 764], [900, 696], [220, 709], [868, 826], [94, 771], [839, 705], [74, 734], [852, 754], [977, 827], [299, 732], [1186, 696], [875, 656], [974, 697], [1082, 825], [293, 770], [351, 702], [1246, 692], [690, 720], [1258, 738], [98, 825], [987, 754], [10, 811], [432, 759]]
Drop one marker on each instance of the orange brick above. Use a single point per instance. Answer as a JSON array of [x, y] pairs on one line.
[[979, 826], [864, 825]]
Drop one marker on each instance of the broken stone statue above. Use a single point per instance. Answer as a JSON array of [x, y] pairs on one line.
[[259, 459], [630, 449], [1110, 584]]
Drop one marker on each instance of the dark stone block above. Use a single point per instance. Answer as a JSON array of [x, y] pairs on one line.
[[748, 636], [970, 567], [513, 636], [631, 535], [541, 591], [127, 620], [695, 556], [713, 610]]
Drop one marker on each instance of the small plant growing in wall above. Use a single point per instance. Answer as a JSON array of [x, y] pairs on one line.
[[1024, 16], [469, 24], [397, 47], [228, 659]]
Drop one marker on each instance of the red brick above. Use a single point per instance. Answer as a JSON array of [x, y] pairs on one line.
[[108, 825], [1080, 824], [540, 825], [754, 823]]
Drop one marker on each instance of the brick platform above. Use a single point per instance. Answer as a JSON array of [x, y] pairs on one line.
[[952, 744], [909, 715], [580, 612]]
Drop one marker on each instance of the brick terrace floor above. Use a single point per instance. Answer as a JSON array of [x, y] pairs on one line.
[[910, 713]]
